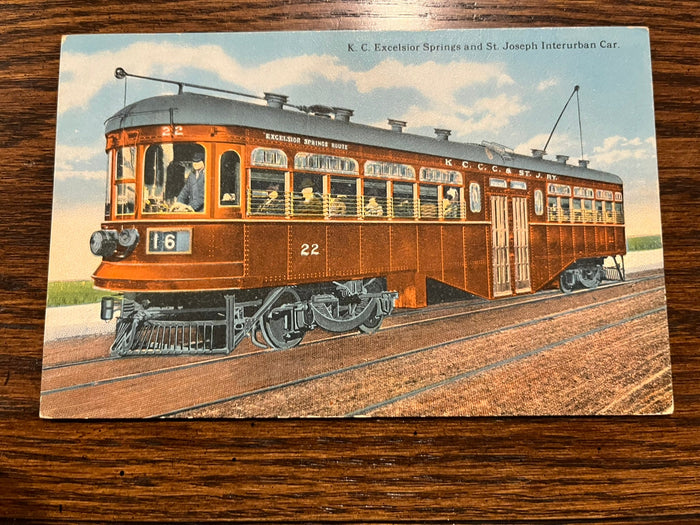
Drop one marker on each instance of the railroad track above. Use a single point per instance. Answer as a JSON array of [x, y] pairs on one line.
[[502, 363], [446, 314], [460, 340], [427, 314]]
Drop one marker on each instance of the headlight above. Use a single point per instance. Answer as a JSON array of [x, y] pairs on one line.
[[129, 238], [103, 243]]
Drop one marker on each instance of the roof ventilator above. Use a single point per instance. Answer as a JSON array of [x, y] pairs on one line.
[[343, 114], [562, 158], [275, 101], [442, 134], [397, 125]]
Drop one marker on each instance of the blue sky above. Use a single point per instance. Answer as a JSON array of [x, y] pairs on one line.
[[479, 91]]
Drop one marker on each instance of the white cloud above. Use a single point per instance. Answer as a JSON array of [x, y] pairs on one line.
[[618, 148], [485, 114], [613, 150], [62, 175], [83, 75], [437, 82], [77, 162], [442, 85], [68, 157], [548, 83], [293, 71], [499, 108]]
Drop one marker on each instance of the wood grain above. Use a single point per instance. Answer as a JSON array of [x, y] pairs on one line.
[[378, 470]]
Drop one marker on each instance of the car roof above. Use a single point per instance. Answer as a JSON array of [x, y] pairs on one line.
[[194, 108]]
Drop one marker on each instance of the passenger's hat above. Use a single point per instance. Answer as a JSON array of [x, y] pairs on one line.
[[307, 183], [273, 187], [198, 157]]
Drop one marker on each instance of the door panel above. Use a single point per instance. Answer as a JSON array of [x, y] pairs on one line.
[[500, 258], [521, 245], [510, 254]]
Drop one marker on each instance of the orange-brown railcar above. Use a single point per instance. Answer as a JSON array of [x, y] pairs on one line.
[[307, 219]]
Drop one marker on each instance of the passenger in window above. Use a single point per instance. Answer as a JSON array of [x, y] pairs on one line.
[[428, 201], [191, 197], [230, 173], [404, 208], [228, 198], [311, 203], [337, 207], [373, 208], [428, 211], [273, 204], [450, 205], [175, 180]]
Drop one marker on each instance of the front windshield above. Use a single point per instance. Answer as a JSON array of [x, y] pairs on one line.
[[174, 178]]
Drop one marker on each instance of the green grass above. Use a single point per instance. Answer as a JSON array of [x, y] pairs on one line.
[[65, 293], [649, 242]]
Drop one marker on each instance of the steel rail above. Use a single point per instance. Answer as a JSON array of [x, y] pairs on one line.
[[502, 304], [408, 353], [504, 362]]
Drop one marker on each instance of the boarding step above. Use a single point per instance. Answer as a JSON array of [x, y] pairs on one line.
[[612, 274], [617, 272]]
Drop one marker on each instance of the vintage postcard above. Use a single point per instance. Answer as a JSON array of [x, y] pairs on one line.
[[356, 224]]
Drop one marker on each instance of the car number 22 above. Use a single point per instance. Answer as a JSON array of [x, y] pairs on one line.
[[309, 249]]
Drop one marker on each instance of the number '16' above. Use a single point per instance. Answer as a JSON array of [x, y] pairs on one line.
[[169, 241]]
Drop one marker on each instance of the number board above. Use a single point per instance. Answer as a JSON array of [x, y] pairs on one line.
[[169, 241]]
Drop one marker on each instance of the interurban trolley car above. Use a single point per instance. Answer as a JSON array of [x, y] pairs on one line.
[[227, 219]]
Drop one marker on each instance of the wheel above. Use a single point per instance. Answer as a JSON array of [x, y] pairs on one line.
[[567, 281], [372, 324], [276, 326], [590, 276]]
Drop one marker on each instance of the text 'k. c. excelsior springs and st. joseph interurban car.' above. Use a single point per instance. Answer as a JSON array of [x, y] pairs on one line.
[[227, 219]]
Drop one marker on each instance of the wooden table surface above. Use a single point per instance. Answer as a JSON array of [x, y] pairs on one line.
[[380, 470]]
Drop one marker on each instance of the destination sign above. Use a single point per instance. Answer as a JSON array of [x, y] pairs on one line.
[[317, 143]]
